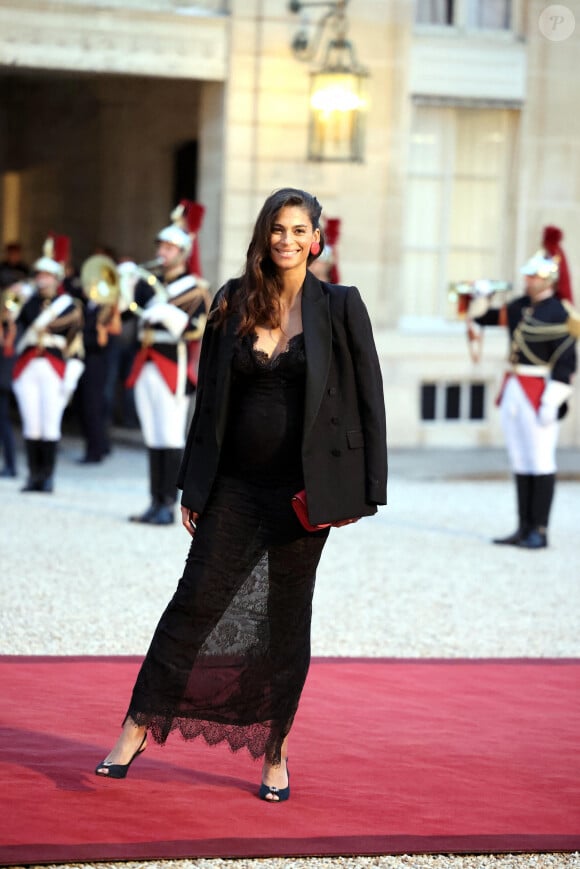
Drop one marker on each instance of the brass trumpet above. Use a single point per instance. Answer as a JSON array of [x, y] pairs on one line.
[[462, 293], [12, 299], [129, 273]]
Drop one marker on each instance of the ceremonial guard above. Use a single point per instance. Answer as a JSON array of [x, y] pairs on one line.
[[171, 324], [48, 363], [543, 329]]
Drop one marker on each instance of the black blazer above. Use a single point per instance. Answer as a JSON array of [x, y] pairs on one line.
[[344, 448]]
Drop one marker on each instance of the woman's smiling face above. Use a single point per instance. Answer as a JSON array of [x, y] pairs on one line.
[[290, 238]]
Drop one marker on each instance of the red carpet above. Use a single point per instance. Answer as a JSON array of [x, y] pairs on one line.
[[387, 757]]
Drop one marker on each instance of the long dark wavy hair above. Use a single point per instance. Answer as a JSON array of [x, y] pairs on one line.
[[257, 300]]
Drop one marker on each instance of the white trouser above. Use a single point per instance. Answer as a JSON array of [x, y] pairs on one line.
[[41, 398], [163, 415], [531, 446]]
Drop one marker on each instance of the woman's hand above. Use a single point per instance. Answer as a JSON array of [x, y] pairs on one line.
[[189, 520]]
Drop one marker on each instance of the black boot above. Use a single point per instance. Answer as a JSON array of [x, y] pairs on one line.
[[154, 487], [524, 498], [543, 486], [169, 468], [33, 460], [47, 464]]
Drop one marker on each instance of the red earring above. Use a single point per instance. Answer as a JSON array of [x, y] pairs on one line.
[[315, 248]]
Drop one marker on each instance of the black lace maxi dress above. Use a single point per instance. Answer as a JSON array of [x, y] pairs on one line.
[[231, 652]]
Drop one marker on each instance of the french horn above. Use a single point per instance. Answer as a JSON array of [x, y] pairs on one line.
[[100, 282], [110, 285]]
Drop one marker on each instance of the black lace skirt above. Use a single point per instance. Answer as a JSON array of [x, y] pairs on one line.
[[231, 652]]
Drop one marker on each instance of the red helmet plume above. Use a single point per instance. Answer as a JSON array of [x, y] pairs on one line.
[[193, 213], [551, 238]]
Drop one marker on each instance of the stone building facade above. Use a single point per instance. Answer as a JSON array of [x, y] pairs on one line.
[[111, 109]]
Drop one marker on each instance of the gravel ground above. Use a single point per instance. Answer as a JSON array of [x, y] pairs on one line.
[[418, 580], [442, 861]]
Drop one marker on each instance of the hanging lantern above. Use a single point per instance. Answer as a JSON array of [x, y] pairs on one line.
[[337, 115], [338, 101]]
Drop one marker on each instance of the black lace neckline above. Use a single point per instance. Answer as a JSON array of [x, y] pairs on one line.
[[271, 361]]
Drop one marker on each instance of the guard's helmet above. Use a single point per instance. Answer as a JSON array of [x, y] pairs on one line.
[[185, 223], [173, 234], [55, 251], [541, 265]]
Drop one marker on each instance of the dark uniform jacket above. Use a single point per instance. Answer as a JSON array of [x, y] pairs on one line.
[[528, 344], [66, 326], [191, 295], [344, 452]]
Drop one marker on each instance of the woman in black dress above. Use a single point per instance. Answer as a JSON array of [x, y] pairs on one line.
[[289, 397]]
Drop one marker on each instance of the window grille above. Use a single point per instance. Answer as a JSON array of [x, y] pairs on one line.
[[453, 401]]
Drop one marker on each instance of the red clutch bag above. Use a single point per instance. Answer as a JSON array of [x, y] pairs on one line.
[[301, 510]]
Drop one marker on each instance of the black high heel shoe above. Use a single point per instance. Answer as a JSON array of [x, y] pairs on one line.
[[119, 770], [282, 794]]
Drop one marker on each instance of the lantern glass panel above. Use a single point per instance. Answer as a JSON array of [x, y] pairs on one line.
[[337, 112]]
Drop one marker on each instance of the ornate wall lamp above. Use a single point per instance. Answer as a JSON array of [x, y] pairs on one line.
[[337, 87]]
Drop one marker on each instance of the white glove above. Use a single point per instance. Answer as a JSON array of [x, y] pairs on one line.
[[554, 395], [477, 307], [170, 316]]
